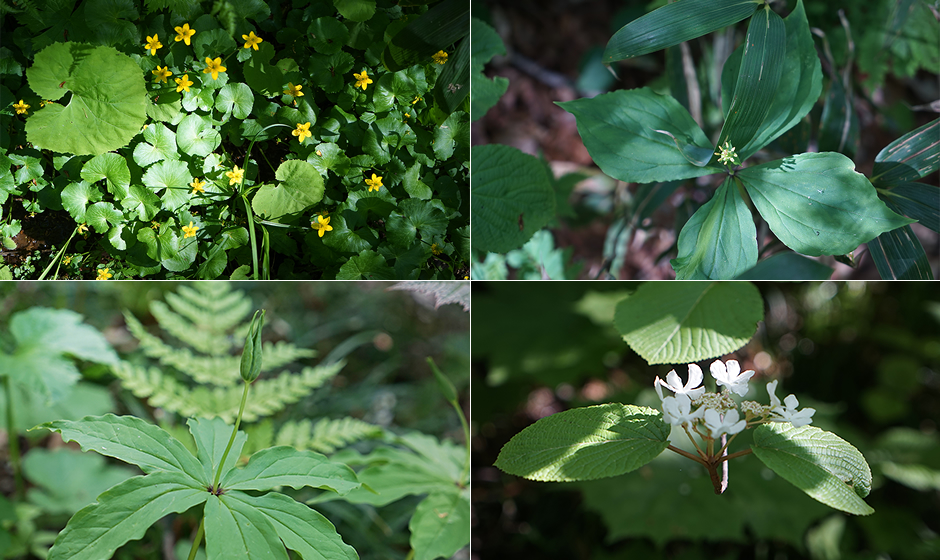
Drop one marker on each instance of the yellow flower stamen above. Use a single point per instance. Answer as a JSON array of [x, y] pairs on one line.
[[374, 183], [302, 132], [153, 43], [185, 33], [251, 41], [362, 79], [214, 67], [182, 84]]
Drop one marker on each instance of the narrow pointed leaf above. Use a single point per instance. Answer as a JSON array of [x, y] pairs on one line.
[[758, 79], [817, 204], [919, 201], [440, 525], [302, 529], [586, 443], [825, 466], [898, 255], [719, 241], [910, 157], [640, 136], [234, 529], [673, 24], [124, 513], [212, 437], [132, 440], [689, 321], [285, 466]]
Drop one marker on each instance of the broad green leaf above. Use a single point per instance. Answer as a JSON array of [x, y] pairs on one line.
[[678, 324], [484, 45], [108, 104], [160, 145], [918, 201], [77, 196], [174, 177], [453, 83], [412, 217], [391, 87], [816, 204], [236, 99], [820, 463], [327, 35], [453, 132], [367, 265], [111, 167], [719, 241], [393, 474], [168, 246], [758, 78], [300, 187], [512, 198], [212, 437], [100, 214], [124, 513], [440, 525], [234, 529], [216, 259], [898, 255], [46, 339], [910, 157], [673, 24], [798, 89], [285, 466], [212, 43], [586, 443], [640, 136], [355, 10], [88, 476], [131, 440], [110, 20], [196, 135], [438, 28], [301, 528], [328, 72], [787, 266], [141, 201]]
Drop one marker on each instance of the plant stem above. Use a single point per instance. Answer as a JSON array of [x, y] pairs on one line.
[[466, 437], [58, 257], [13, 437], [734, 455], [251, 233], [685, 453], [697, 448], [231, 440], [198, 539]]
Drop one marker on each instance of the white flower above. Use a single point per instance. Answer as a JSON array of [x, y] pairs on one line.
[[677, 410], [727, 425], [674, 383], [789, 412], [730, 376]]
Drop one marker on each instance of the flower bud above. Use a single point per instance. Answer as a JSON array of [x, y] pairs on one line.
[[251, 355]]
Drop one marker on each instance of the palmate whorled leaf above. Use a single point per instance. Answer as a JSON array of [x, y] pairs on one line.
[[236, 530], [285, 466], [820, 463], [817, 204], [586, 443]]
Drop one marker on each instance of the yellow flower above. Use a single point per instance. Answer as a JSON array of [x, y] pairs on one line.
[[83, 229], [154, 225], [67, 260], [416, 100], [161, 74], [20, 107], [435, 249], [235, 176], [466, 277], [185, 33], [440, 57], [251, 41], [293, 90], [214, 67], [374, 183], [302, 132], [153, 43], [197, 186], [726, 154], [182, 84], [103, 274], [407, 115], [190, 230], [322, 225], [319, 153], [362, 80]]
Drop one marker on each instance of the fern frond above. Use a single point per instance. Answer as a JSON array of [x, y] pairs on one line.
[[205, 339], [282, 353], [273, 394], [211, 305], [326, 436]]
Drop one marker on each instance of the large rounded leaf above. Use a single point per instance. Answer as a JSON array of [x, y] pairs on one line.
[[301, 187], [196, 136], [111, 167], [108, 104]]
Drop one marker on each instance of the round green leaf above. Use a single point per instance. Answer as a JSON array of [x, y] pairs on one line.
[[367, 265], [413, 216], [196, 136], [168, 246], [680, 323], [141, 201], [236, 99], [100, 214], [162, 145], [327, 35], [586, 443], [77, 196], [301, 186], [356, 10], [174, 176], [111, 167], [108, 104]]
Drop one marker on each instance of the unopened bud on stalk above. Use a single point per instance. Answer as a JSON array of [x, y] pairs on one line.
[[251, 355]]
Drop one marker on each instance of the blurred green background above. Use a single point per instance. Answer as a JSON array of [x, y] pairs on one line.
[[865, 355]]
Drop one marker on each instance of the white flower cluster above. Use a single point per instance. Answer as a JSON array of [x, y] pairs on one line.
[[718, 411]]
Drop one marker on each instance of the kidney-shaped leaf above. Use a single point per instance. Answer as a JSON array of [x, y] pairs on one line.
[[825, 466], [677, 323], [816, 204], [236, 99], [586, 443], [108, 104], [301, 187], [111, 167], [640, 136]]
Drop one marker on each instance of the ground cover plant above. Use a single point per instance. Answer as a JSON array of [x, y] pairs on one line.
[[234, 139], [249, 481], [745, 141]]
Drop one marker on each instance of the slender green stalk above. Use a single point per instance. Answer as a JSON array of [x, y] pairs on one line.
[[466, 437], [241, 410], [251, 235], [198, 539], [58, 257], [13, 436], [686, 454]]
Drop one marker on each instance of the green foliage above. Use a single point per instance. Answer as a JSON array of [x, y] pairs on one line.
[[667, 324], [486, 92], [201, 318], [237, 524], [178, 187], [586, 443]]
